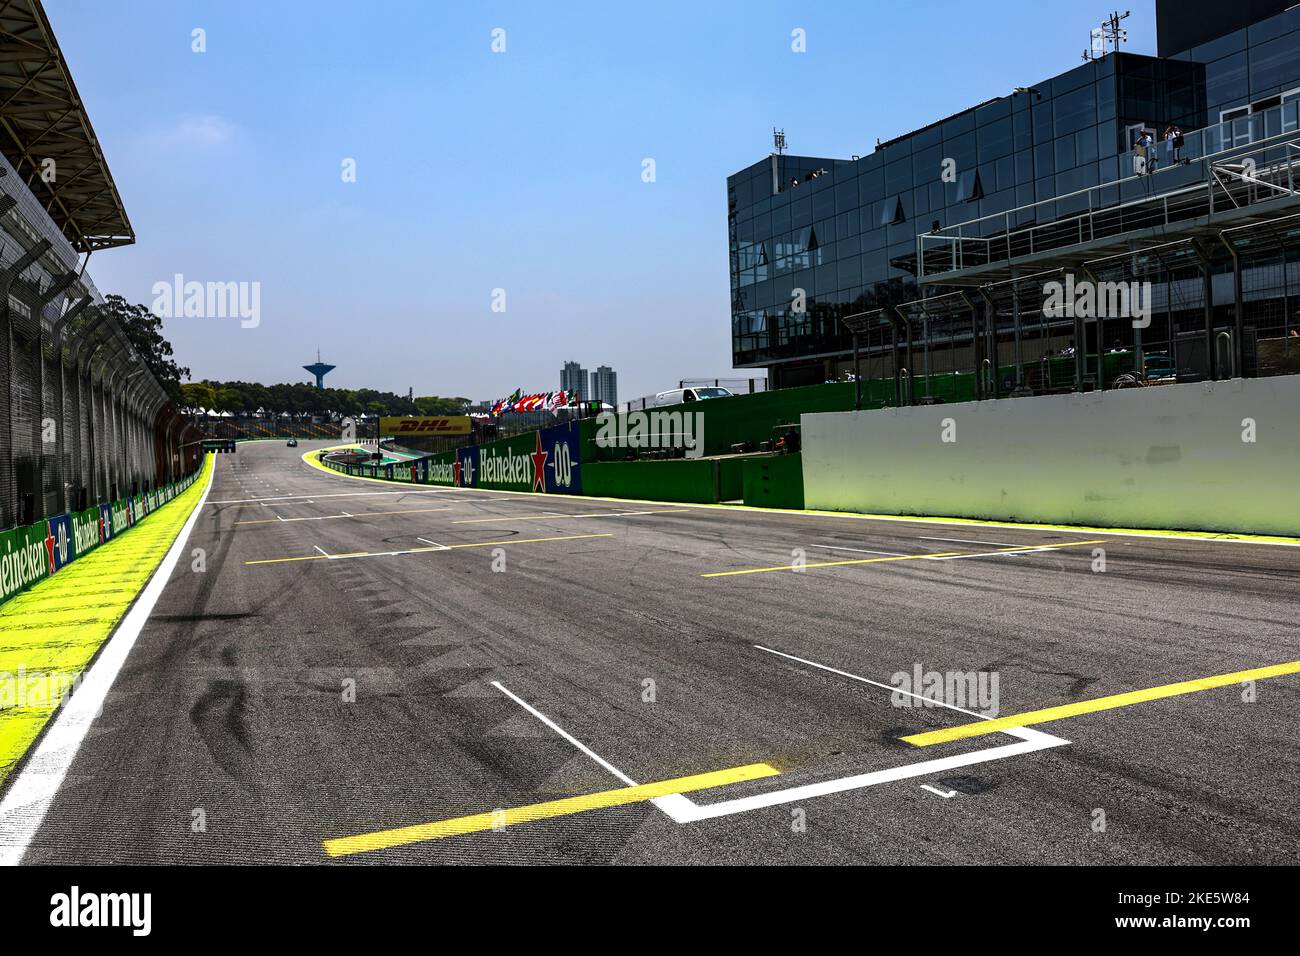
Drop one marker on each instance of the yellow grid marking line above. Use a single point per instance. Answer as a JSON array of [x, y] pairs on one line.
[[1048, 714], [449, 547], [902, 557], [478, 822], [612, 514]]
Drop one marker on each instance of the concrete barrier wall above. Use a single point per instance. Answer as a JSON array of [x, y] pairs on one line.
[[1170, 457]]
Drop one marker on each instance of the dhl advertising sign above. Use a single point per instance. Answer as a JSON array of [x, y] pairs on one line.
[[421, 427]]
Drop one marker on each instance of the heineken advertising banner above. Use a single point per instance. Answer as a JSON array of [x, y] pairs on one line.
[[33, 553], [465, 470], [563, 465], [547, 461]]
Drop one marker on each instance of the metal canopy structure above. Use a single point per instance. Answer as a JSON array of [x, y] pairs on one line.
[[44, 128]]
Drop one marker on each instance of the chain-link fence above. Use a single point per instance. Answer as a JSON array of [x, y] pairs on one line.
[[84, 419]]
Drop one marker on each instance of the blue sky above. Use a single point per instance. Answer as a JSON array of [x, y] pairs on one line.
[[518, 170]]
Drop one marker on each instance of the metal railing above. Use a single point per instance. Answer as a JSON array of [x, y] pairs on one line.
[[737, 386], [1240, 163]]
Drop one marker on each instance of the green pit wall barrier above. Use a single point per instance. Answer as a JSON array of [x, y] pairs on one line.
[[35, 552], [774, 481], [753, 418], [686, 480]]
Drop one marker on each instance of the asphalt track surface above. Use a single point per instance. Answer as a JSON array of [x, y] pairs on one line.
[[478, 689]]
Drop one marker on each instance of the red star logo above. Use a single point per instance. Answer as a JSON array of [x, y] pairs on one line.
[[49, 546], [539, 462], [455, 472]]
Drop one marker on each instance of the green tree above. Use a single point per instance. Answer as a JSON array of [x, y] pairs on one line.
[[144, 330], [197, 395], [435, 405]]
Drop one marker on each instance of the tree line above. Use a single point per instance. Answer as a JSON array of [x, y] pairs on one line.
[[144, 330], [300, 400]]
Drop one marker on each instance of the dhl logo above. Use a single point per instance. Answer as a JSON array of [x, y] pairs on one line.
[[440, 425], [426, 424]]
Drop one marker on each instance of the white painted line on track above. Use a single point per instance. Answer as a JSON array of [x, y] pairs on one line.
[[673, 805], [939, 793], [1029, 741], [434, 543], [321, 550], [31, 793], [998, 554], [865, 680]]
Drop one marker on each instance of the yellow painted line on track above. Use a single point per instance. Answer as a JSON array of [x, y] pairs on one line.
[[611, 514], [478, 822], [359, 514], [448, 547], [1048, 714], [903, 557]]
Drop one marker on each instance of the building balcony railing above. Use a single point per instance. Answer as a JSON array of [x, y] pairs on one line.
[[1230, 171]]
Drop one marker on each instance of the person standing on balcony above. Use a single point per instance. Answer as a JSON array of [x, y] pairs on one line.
[[1145, 159], [1174, 137]]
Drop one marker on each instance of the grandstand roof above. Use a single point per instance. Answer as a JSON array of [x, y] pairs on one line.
[[42, 117]]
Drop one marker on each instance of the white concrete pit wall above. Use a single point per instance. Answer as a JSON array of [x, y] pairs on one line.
[[1167, 457]]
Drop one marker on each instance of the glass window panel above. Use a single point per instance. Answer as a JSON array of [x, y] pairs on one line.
[[927, 164], [898, 176], [781, 218], [1044, 159], [871, 186], [1274, 26], [1275, 64], [823, 204], [995, 139], [846, 195], [891, 211], [969, 187], [1006, 172], [1085, 146], [964, 149], [932, 136], [965, 123], [1220, 47], [1226, 80]]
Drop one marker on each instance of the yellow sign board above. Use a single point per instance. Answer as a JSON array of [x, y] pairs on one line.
[[431, 425]]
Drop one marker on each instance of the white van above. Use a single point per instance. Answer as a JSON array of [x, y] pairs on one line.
[[677, 396]]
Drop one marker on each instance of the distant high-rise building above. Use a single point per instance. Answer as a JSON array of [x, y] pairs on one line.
[[604, 385], [573, 379]]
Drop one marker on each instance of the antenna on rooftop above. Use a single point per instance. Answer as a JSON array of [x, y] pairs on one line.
[[778, 140], [1110, 32]]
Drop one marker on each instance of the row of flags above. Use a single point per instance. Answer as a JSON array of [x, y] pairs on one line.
[[536, 402]]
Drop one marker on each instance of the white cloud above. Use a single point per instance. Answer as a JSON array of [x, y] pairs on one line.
[[196, 132]]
